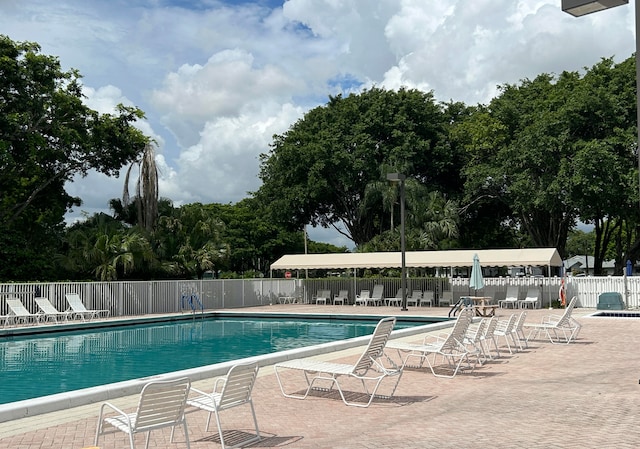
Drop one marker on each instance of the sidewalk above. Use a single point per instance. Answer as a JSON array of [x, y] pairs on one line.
[[582, 395]]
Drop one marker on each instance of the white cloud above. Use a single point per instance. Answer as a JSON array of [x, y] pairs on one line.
[[223, 87], [223, 165], [217, 79], [469, 48]]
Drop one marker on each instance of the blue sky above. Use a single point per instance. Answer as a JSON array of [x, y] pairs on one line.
[[217, 79]]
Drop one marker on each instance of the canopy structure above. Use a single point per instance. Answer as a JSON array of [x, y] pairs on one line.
[[417, 259]]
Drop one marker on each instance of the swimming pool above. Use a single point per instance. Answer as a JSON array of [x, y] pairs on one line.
[[40, 365]]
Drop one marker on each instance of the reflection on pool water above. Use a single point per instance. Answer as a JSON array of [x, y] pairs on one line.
[[42, 365]]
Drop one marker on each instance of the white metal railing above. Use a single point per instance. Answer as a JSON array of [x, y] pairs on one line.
[[151, 297]]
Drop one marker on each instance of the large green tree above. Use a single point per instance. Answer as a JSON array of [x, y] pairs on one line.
[[47, 137], [554, 150], [321, 170]]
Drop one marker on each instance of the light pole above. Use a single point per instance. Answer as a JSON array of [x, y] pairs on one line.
[[399, 177], [579, 8]]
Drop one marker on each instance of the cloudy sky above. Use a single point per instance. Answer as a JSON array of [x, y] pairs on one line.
[[217, 79]]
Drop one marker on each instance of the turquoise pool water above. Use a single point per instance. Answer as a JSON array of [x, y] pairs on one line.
[[37, 366]]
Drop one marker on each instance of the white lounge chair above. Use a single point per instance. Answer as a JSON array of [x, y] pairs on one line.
[[374, 299], [449, 346], [532, 299], [505, 328], [80, 311], [230, 391], [446, 298], [474, 337], [427, 298], [490, 337], [362, 297], [48, 311], [558, 328], [377, 295], [511, 298], [322, 297], [18, 313], [414, 299], [370, 369], [396, 301], [518, 330], [161, 404], [341, 298]]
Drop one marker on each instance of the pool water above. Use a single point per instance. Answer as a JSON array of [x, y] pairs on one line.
[[37, 366]]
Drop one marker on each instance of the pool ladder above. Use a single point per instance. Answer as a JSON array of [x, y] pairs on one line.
[[192, 300], [462, 302]]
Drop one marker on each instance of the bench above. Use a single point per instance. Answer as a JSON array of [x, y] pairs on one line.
[[486, 310]]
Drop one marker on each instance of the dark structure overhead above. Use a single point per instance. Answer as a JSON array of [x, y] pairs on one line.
[[579, 8]]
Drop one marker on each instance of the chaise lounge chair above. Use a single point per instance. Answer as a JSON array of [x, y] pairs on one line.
[[48, 311], [322, 297], [397, 300], [414, 299], [362, 297], [449, 346], [374, 299], [80, 311], [506, 329], [511, 298], [342, 297], [230, 391], [474, 336], [18, 313], [532, 299], [446, 298], [161, 404], [427, 298], [369, 369], [490, 337], [558, 328], [377, 295]]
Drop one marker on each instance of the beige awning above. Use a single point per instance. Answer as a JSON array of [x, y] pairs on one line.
[[416, 259]]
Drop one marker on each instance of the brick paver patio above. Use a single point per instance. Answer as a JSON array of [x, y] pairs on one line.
[[582, 395]]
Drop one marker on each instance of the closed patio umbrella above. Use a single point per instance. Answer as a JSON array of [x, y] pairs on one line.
[[476, 281]]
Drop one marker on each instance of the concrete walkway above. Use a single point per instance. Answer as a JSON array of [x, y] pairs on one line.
[[582, 395]]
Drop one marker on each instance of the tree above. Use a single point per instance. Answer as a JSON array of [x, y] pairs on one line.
[[115, 255], [104, 249], [319, 171], [253, 241], [48, 136], [604, 183], [431, 222], [188, 241], [550, 151], [146, 198]]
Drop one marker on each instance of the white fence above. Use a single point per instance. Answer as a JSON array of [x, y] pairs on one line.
[[587, 289], [142, 298]]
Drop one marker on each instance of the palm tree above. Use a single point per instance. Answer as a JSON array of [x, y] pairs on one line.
[[436, 219], [146, 197], [119, 253]]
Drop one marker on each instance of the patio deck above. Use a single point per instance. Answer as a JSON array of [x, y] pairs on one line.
[[564, 396]]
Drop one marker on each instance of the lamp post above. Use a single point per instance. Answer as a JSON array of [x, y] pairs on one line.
[[579, 8], [399, 177]]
